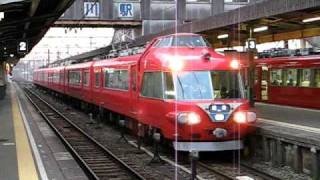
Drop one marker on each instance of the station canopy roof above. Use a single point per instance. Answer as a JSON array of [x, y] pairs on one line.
[[284, 19], [27, 21]]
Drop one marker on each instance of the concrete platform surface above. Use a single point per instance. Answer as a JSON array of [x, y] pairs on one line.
[[29, 149], [289, 114], [296, 125]]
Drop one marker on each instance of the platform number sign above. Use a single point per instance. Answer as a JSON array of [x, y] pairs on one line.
[[22, 47], [252, 45], [126, 10]]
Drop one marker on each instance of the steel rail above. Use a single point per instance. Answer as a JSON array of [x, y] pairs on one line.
[[245, 167], [258, 172], [216, 172]]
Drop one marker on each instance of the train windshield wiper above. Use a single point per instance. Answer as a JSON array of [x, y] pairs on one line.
[[198, 83], [180, 83]]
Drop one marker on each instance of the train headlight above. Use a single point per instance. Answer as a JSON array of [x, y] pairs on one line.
[[176, 65], [193, 118], [235, 64], [219, 117], [189, 118], [182, 118], [240, 117]]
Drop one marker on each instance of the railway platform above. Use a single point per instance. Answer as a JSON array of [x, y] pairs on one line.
[[29, 149], [288, 136]]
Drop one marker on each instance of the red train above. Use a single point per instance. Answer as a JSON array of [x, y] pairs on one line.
[[178, 87], [291, 81]]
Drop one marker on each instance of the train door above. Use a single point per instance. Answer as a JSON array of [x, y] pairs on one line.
[[97, 85], [257, 86], [264, 83], [133, 91]]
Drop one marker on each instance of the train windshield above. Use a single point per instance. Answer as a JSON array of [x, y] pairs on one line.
[[183, 41], [203, 85]]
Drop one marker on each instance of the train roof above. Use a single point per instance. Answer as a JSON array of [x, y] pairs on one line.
[[310, 60], [290, 58], [80, 65], [178, 34], [124, 60]]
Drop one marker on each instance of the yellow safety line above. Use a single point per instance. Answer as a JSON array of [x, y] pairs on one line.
[[26, 165]]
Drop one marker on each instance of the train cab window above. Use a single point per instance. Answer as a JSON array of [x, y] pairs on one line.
[[226, 84], [134, 80], [190, 41], [75, 78], [97, 79], [316, 82], [304, 77], [203, 85], [86, 78], [165, 42], [169, 92], [152, 85], [116, 79], [276, 78]]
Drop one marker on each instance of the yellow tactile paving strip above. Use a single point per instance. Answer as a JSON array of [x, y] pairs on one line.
[[26, 165]]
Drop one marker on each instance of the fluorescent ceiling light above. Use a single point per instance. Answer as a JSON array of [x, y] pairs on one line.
[[260, 29], [311, 19], [223, 36], [1, 15]]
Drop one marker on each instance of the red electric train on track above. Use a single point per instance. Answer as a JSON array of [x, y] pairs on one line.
[[178, 87], [293, 81]]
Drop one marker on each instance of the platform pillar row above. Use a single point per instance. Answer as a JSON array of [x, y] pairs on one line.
[[280, 152], [297, 159], [274, 153], [266, 149], [315, 164], [2, 80]]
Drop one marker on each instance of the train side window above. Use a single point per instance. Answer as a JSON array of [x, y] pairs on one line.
[[61, 77], [317, 78], [290, 77], [56, 78], [116, 79], [86, 78], [152, 85], [50, 75], [256, 76], [75, 78], [97, 79], [304, 77], [276, 79]]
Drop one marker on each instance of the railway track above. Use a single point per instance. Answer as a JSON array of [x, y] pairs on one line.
[[97, 161], [207, 170]]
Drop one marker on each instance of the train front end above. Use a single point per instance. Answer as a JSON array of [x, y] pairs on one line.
[[205, 99]]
